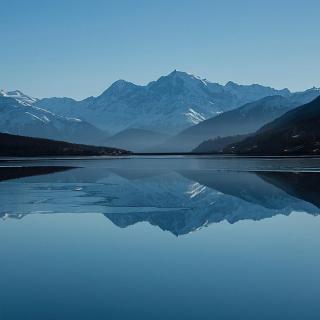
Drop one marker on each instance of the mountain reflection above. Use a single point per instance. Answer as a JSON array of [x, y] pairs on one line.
[[8, 173], [179, 201]]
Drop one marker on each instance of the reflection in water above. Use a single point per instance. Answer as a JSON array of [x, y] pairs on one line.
[[85, 266], [176, 200], [302, 185], [8, 173]]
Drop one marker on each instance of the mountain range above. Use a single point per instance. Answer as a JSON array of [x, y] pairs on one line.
[[21, 116], [169, 104], [240, 121], [296, 132], [175, 113]]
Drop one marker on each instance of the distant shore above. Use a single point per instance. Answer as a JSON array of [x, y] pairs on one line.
[[146, 155]]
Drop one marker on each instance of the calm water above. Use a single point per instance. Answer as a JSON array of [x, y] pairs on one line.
[[160, 238]]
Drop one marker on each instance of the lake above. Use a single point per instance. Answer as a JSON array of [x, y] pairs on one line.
[[160, 238]]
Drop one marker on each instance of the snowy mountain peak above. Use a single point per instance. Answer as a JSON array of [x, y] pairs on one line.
[[19, 96], [169, 104], [20, 115], [121, 85], [231, 84], [185, 76], [118, 88], [180, 83], [178, 73]]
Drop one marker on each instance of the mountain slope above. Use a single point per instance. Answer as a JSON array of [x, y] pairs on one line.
[[244, 120], [218, 144], [20, 116], [19, 96], [295, 133], [19, 146], [136, 140], [170, 104]]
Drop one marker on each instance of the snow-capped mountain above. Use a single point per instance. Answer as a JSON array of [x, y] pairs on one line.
[[19, 96], [174, 105], [170, 104], [240, 121], [19, 115]]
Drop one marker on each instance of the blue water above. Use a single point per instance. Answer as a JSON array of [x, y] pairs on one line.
[[176, 238]]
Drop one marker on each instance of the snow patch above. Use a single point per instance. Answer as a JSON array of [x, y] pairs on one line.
[[19, 96], [195, 189], [194, 116], [36, 117]]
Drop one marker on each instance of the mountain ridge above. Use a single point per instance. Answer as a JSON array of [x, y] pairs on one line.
[[294, 133], [240, 121], [22, 146], [182, 105], [170, 104], [20, 115]]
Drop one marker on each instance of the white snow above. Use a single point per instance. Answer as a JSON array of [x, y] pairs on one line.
[[195, 189], [19, 96], [21, 117], [36, 117], [194, 116]]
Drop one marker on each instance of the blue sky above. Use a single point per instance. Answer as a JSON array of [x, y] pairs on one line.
[[78, 48]]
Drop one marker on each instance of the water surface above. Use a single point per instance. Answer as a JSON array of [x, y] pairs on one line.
[[160, 238]]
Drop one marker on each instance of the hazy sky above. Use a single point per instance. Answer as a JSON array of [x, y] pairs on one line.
[[78, 48]]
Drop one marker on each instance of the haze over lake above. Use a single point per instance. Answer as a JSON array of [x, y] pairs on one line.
[[160, 238]]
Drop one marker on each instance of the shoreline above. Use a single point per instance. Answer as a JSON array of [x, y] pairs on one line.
[[159, 155]]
